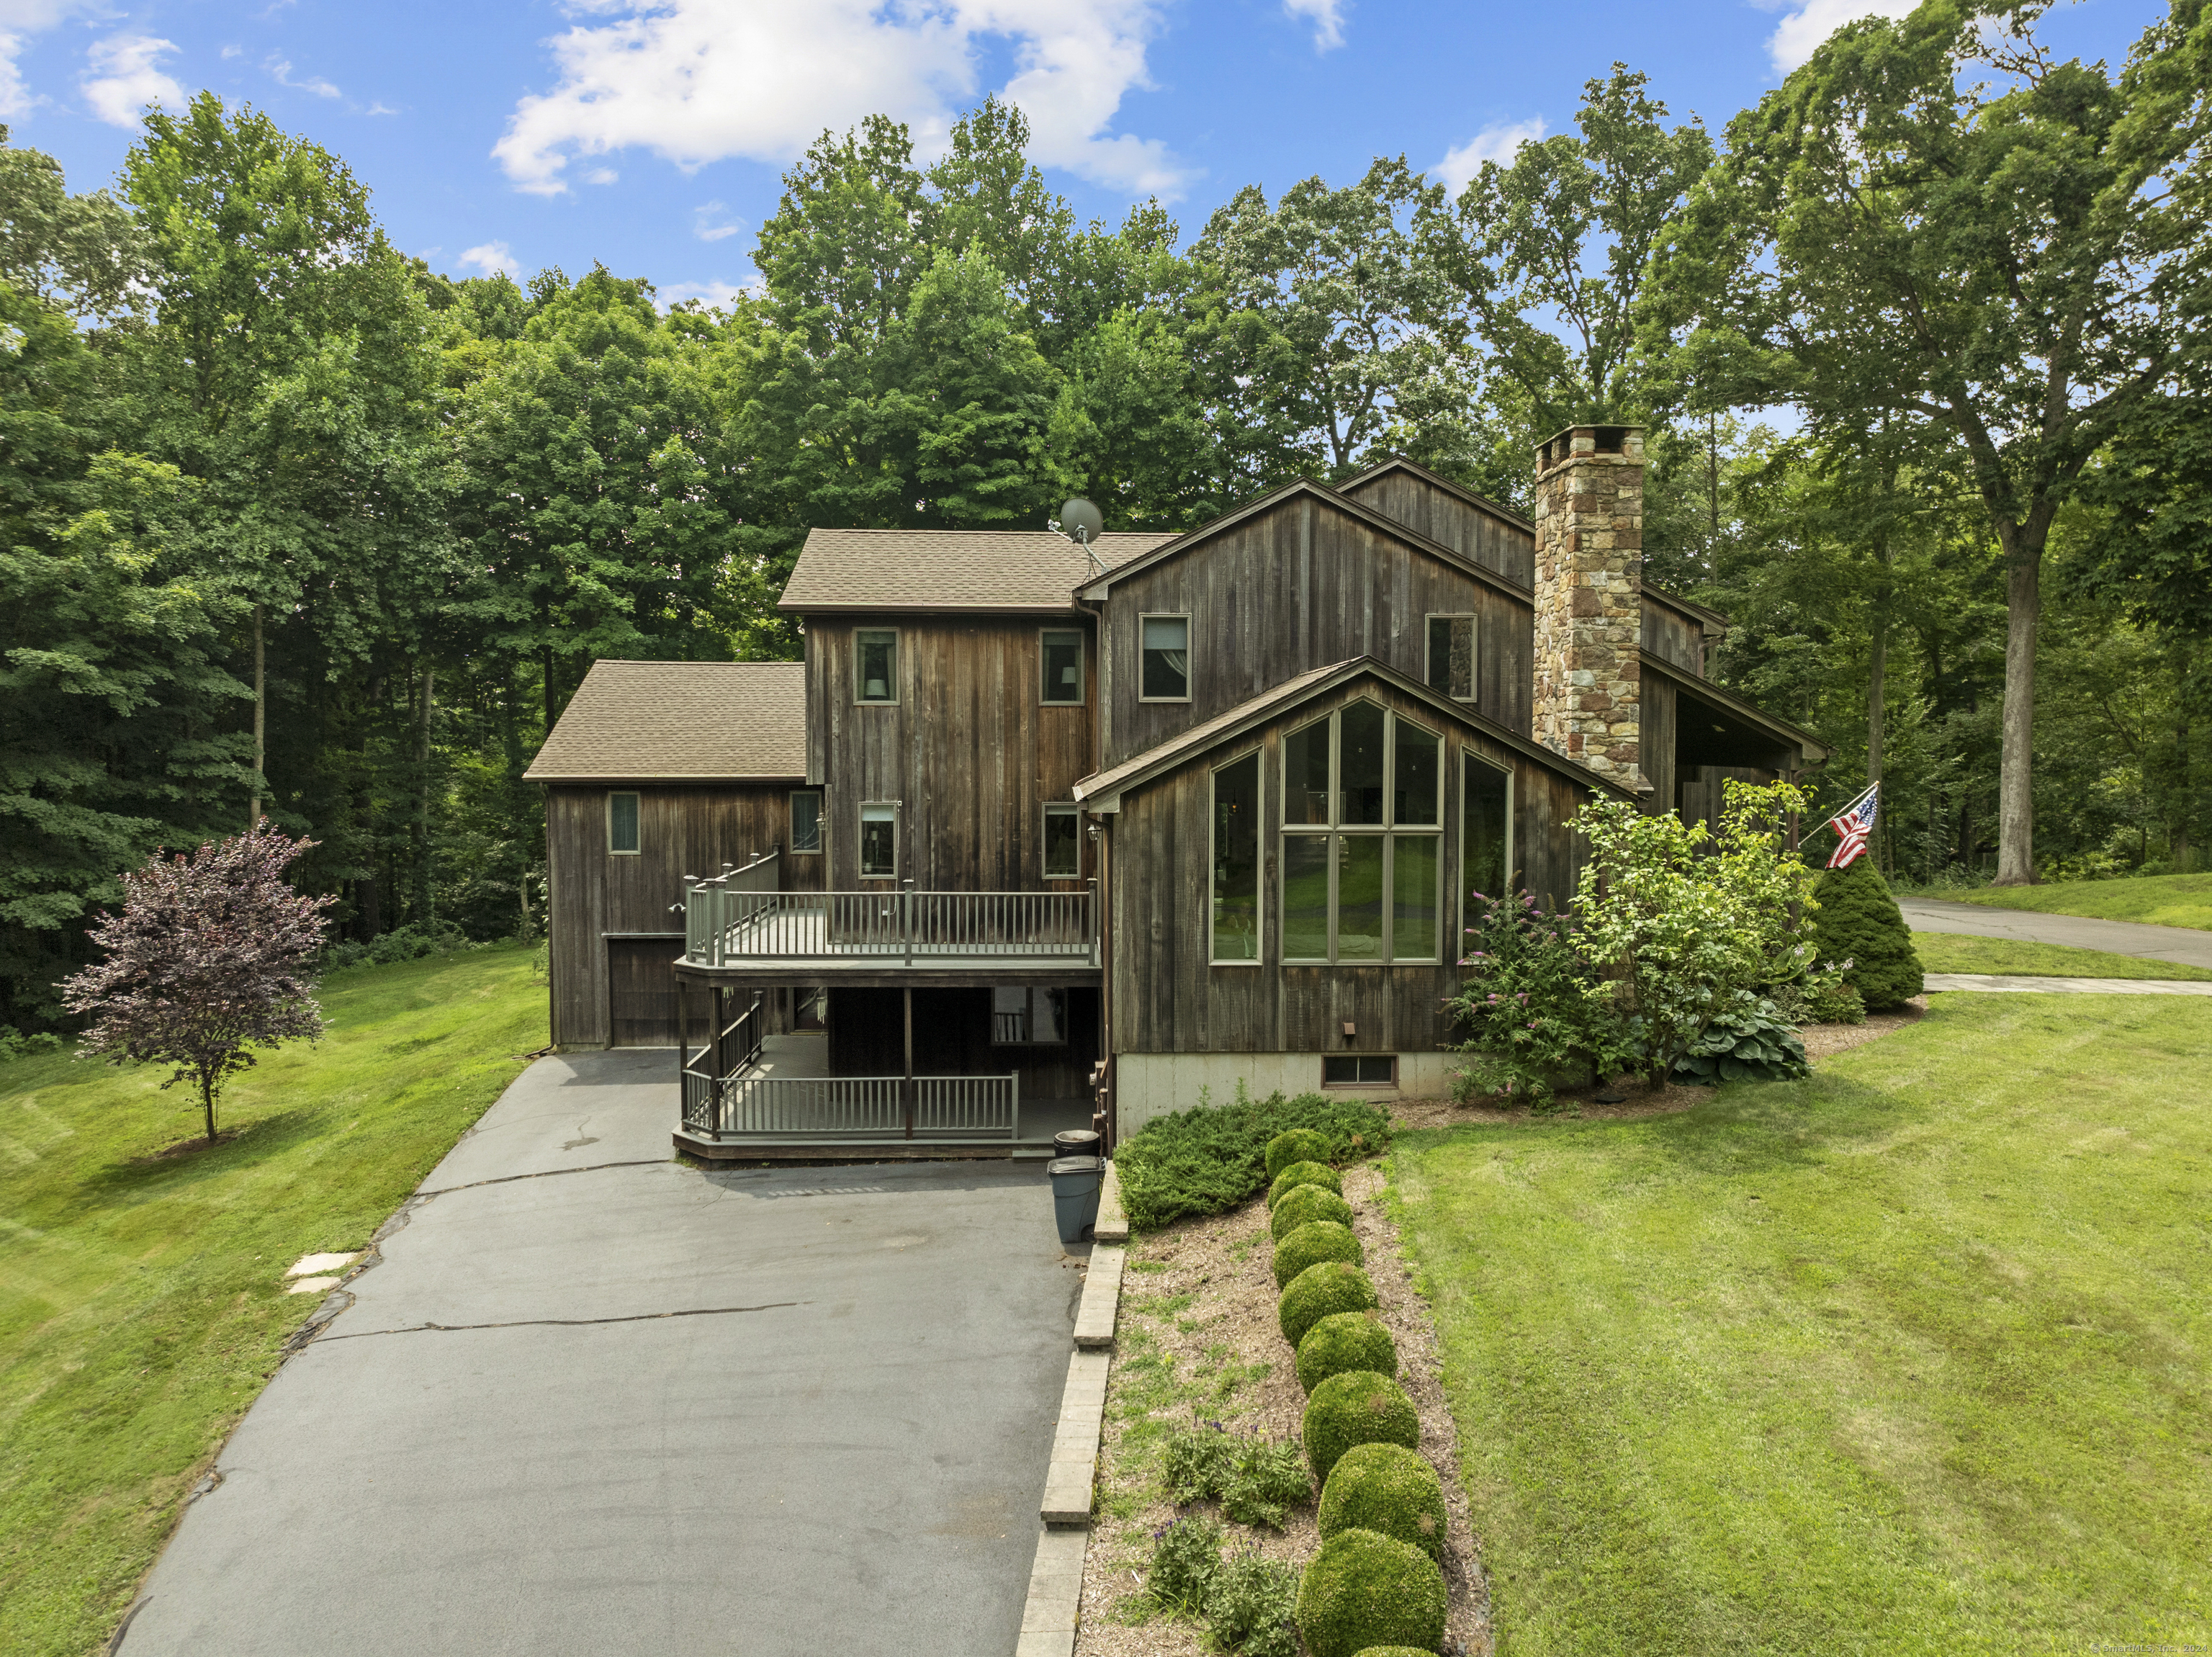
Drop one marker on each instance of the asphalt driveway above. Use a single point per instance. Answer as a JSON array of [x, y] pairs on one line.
[[2154, 943], [592, 1400]]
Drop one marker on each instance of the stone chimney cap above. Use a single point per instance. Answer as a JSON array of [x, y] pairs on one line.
[[1583, 442]]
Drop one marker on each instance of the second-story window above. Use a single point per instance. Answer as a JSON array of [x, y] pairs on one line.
[[1166, 676], [1063, 843], [1452, 656], [805, 820], [875, 664], [879, 840], [1063, 666], [622, 824], [1362, 839]]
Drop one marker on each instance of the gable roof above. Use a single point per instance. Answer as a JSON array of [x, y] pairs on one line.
[[680, 722], [1414, 468], [1715, 621], [1004, 569], [1140, 768], [1815, 751], [1098, 586]]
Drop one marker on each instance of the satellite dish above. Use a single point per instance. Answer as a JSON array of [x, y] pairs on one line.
[[1080, 521]]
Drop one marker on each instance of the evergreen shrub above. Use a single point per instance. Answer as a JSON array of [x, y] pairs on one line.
[[1364, 1590], [1315, 1293], [1297, 1145], [1303, 1204], [1305, 1174], [1386, 1489], [1357, 1407], [1211, 1159], [1859, 924], [1345, 1341], [1309, 1246]]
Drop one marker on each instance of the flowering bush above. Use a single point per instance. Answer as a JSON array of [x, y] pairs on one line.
[[1678, 928], [1529, 1005]]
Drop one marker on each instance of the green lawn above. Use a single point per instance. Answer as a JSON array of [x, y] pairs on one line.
[[1909, 1357], [1955, 952], [141, 1309], [2155, 900]]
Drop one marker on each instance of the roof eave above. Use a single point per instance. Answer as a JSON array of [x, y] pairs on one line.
[[571, 779], [1815, 751]]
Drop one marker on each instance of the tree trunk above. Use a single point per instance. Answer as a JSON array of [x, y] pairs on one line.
[[260, 737], [1877, 704], [423, 888], [2023, 547], [207, 1104]]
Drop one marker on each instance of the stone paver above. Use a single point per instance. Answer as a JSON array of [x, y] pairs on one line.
[[591, 1400], [2015, 982]]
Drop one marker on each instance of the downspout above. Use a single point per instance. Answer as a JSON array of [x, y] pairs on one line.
[[1105, 1119]]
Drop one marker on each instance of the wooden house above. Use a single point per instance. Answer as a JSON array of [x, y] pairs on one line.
[[1039, 829]]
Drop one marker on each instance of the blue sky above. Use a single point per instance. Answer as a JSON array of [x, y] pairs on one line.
[[651, 135]]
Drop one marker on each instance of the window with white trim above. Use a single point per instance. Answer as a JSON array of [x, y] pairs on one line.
[[1236, 861], [1063, 843], [1362, 839], [805, 820], [622, 833], [1359, 1070], [1061, 650], [875, 664], [880, 827], [1165, 673], [1486, 834]]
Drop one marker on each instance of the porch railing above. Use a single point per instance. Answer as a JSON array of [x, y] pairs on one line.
[[832, 1108], [726, 924]]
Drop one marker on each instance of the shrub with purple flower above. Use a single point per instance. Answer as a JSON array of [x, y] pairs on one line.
[[1528, 1006]]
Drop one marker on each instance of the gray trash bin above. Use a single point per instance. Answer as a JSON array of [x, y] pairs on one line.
[[1075, 1142], [1076, 1181]]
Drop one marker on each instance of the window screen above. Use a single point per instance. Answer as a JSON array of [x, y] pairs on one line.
[[1167, 659], [1063, 667], [622, 822], [875, 664], [807, 822], [1063, 843]]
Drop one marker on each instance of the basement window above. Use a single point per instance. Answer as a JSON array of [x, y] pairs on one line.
[[1359, 1070], [621, 825]]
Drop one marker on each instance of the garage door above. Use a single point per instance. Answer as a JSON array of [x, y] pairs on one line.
[[641, 991]]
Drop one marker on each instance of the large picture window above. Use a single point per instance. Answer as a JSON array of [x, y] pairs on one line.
[[1362, 839], [1485, 854], [1165, 671], [1236, 861], [879, 840]]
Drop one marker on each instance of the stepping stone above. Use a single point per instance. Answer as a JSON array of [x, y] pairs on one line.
[[311, 1286], [310, 1265]]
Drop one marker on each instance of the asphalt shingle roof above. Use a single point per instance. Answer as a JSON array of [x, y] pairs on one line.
[[707, 721], [949, 569]]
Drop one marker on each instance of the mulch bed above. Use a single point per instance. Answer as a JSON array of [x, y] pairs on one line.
[[1225, 1265]]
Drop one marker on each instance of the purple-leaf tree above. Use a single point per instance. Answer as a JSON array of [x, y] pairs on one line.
[[209, 958]]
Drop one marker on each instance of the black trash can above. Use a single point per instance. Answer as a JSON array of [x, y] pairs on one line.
[[1075, 1185], [1076, 1141]]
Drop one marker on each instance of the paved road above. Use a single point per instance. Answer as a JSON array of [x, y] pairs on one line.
[[2001, 982], [2152, 943], [661, 1410]]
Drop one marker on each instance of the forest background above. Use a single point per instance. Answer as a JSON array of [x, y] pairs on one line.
[[290, 523]]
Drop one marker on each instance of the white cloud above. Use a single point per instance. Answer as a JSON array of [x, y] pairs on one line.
[[701, 81], [602, 175], [230, 52], [380, 108], [281, 67], [719, 296], [126, 76], [713, 221], [1801, 32], [490, 258], [15, 98], [1495, 142], [1326, 17]]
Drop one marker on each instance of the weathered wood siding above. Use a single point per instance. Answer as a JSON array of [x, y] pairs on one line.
[[969, 751], [1303, 586], [1658, 708], [597, 894], [1168, 997], [1675, 634], [1494, 542]]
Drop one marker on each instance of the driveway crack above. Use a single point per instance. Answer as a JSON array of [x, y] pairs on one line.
[[542, 1173], [565, 1323]]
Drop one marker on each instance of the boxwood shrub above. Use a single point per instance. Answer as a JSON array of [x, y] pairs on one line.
[[1343, 1342], [1209, 1159], [1297, 1145], [1386, 1489], [1309, 1246], [1364, 1590], [1332, 1286], [1303, 1204], [1305, 1174], [1357, 1407]]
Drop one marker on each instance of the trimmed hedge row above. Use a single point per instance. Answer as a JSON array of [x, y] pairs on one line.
[[1214, 1158], [1376, 1589]]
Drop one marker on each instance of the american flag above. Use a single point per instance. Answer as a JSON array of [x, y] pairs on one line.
[[1855, 822]]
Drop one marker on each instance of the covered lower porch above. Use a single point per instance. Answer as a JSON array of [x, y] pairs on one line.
[[913, 1072]]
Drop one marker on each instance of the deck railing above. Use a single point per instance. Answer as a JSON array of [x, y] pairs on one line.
[[727, 923], [836, 1108]]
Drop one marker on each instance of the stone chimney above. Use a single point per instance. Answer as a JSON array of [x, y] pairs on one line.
[[1590, 599]]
